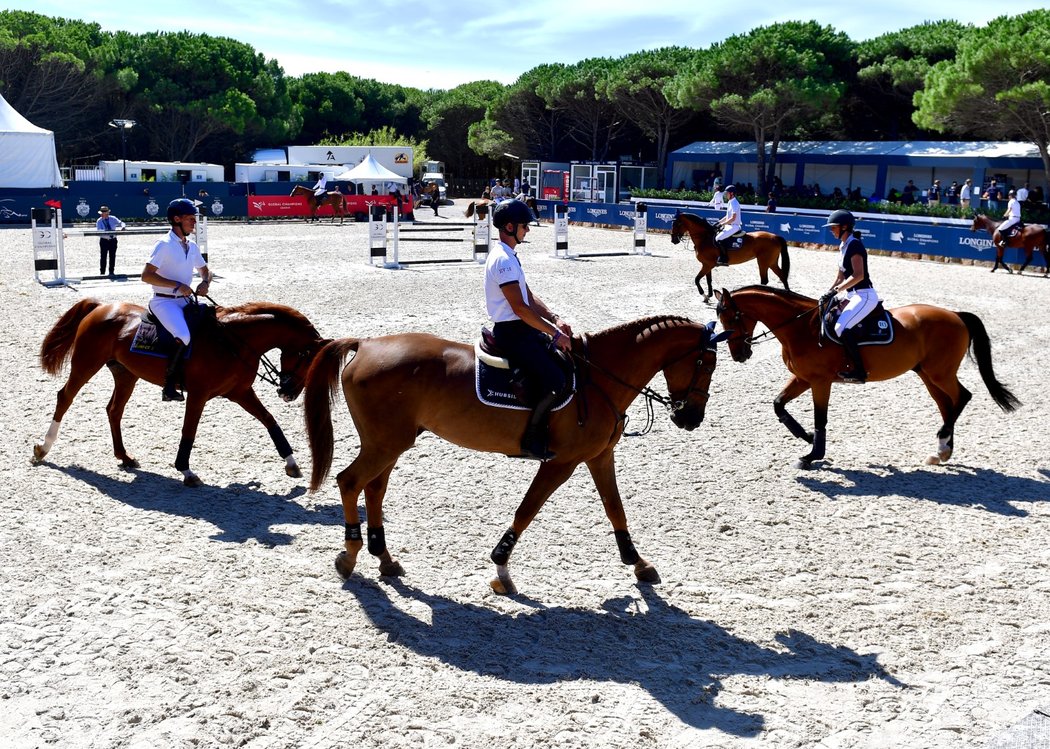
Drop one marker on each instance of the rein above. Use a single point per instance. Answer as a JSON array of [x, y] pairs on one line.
[[768, 332], [271, 374]]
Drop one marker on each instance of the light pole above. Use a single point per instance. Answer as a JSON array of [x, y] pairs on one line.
[[123, 126]]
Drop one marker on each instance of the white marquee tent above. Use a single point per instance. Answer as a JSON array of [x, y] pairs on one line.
[[27, 152], [370, 170]]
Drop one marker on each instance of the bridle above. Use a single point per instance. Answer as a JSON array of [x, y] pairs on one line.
[[763, 337], [671, 405]]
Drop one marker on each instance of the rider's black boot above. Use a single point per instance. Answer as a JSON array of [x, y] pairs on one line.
[[534, 441], [723, 252], [858, 374], [173, 377]]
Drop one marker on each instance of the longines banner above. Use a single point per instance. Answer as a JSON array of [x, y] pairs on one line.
[[887, 234]]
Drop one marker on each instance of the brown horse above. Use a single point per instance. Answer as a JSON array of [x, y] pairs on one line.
[[482, 206], [767, 248], [223, 362], [928, 340], [1032, 237], [430, 192], [332, 198], [399, 386]]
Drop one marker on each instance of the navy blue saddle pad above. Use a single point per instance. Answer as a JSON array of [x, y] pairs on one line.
[[876, 329], [153, 339], [497, 383]]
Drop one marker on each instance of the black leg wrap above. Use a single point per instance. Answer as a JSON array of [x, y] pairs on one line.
[[353, 531], [501, 554], [628, 554], [182, 460], [789, 421], [283, 448], [376, 541]]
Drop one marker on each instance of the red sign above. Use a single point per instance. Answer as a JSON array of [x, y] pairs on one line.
[[271, 206]]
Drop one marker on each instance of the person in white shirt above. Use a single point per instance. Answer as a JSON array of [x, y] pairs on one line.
[[718, 199], [170, 271], [1012, 217], [730, 223], [322, 185], [107, 243], [964, 194], [1022, 193]]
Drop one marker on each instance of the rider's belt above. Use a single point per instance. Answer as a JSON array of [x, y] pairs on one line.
[[167, 296]]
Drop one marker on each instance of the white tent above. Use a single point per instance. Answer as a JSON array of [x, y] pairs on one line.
[[370, 170], [27, 152]]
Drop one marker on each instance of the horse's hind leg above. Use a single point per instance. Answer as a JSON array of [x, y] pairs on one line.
[[603, 471], [123, 386], [951, 405], [367, 473]]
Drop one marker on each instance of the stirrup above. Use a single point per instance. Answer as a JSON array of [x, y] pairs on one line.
[[534, 452], [171, 394], [849, 376], [722, 262]]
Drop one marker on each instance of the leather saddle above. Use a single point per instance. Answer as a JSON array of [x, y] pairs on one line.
[[499, 383], [153, 339], [876, 329]]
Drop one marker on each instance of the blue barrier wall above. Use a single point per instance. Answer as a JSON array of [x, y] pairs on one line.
[[944, 238]]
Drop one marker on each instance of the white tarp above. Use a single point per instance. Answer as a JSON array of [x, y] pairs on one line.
[[370, 170], [27, 152]]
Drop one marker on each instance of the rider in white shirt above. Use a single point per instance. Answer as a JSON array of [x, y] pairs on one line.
[[1012, 216], [322, 185], [730, 223]]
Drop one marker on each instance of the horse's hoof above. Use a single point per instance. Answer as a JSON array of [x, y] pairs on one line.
[[804, 463], [129, 462], [645, 572], [503, 586], [392, 568], [192, 481], [933, 460], [39, 453], [344, 565], [293, 471]]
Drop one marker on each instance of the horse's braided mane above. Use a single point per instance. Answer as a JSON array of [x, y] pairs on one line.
[[786, 293], [646, 326]]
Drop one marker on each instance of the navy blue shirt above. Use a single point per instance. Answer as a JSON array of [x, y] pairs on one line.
[[849, 249]]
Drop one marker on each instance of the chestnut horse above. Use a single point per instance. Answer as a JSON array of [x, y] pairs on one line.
[[768, 249], [482, 206], [223, 362], [399, 386], [1032, 237], [332, 198], [928, 340]]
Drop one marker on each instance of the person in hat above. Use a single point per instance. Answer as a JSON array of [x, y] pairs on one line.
[[730, 224], [854, 281], [1012, 217], [170, 271], [107, 243], [523, 325]]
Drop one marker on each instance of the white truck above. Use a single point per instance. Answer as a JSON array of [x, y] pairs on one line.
[[434, 172]]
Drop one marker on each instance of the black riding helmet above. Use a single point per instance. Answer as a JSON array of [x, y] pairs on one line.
[[181, 207], [841, 217], [511, 212]]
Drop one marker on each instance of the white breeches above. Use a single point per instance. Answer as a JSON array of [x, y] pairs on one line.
[[170, 313], [727, 232], [1007, 224], [861, 302]]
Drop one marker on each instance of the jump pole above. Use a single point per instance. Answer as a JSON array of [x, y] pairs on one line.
[[378, 238], [561, 234]]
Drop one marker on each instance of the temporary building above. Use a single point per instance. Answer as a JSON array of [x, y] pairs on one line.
[[27, 152]]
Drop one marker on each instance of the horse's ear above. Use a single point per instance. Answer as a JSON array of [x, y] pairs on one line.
[[718, 294]]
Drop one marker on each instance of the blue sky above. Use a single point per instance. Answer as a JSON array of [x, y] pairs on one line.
[[439, 45]]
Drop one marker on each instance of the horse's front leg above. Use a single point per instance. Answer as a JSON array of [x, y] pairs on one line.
[[705, 272], [190, 422], [250, 402], [1027, 260], [603, 471], [792, 390], [821, 396], [548, 479]]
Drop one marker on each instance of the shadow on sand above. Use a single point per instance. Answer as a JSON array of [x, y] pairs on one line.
[[676, 658], [240, 511]]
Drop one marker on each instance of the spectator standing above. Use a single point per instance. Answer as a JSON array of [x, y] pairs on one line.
[[908, 198], [964, 194], [107, 243], [718, 198], [952, 193], [993, 194], [1022, 193], [771, 203], [933, 197]]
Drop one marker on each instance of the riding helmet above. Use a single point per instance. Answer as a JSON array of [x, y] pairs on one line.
[[841, 217], [729, 188], [181, 207], [511, 212]]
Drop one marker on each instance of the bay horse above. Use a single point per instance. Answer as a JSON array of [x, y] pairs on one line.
[[482, 206], [1032, 237], [768, 249], [431, 193], [332, 198], [224, 360], [930, 341], [400, 386]]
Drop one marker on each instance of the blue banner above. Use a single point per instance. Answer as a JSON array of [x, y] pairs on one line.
[[936, 237]]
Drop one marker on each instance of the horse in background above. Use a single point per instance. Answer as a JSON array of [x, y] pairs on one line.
[[482, 206], [332, 198], [1031, 237], [768, 249]]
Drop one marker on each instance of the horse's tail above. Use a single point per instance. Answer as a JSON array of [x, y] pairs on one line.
[[470, 209], [58, 343], [321, 381], [981, 351], [785, 259]]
